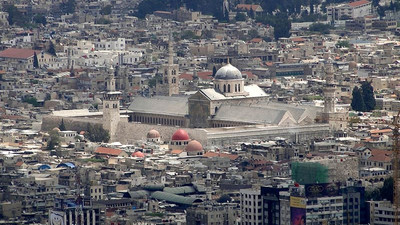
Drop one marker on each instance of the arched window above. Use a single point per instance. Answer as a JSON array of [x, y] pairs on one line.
[[218, 88], [224, 87], [173, 72], [173, 80], [239, 87], [229, 88], [235, 87]]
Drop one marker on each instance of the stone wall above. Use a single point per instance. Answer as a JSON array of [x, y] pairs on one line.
[[128, 133], [71, 123]]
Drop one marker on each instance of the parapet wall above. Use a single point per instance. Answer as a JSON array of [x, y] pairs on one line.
[[128, 132], [71, 123]]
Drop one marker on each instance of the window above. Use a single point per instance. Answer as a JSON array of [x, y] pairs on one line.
[[224, 88], [229, 88]]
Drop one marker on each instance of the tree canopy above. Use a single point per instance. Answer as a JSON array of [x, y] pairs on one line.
[[357, 103], [368, 95], [96, 133]]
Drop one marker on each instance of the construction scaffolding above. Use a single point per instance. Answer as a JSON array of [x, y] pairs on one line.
[[309, 173]]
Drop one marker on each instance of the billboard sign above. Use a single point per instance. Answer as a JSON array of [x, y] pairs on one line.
[[322, 190], [57, 218], [297, 210]]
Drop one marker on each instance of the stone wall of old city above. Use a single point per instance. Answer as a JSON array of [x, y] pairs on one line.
[[71, 123]]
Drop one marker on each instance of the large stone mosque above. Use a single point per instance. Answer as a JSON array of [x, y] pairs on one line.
[[230, 112]]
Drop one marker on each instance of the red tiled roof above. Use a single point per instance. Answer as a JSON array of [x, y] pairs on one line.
[[256, 40], [380, 131], [18, 53], [19, 163], [249, 74], [298, 39], [176, 152], [358, 3], [108, 151], [378, 155], [247, 6], [222, 155]]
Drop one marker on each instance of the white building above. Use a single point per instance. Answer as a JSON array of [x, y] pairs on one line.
[[119, 44], [349, 10], [250, 207], [381, 213]]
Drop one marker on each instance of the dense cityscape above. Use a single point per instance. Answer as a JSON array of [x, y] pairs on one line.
[[184, 112]]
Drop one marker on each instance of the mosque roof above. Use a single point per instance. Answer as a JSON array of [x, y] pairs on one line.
[[228, 72], [194, 146], [251, 114], [253, 91], [153, 134], [164, 105], [180, 135]]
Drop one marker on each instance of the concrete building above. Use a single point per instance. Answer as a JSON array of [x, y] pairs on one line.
[[222, 214], [349, 10], [381, 212], [251, 207]]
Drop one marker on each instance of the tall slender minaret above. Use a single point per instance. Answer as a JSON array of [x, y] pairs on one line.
[[225, 7], [330, 87], [169, 84], [111, 98]]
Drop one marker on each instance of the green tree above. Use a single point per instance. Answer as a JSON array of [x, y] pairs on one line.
[[224, 199], [51, 50], [54, 140], [368, 95], [320, 28], [240, 16], [97, 133], [31, 100], [14, 15], [251, 13], [62, 126], [357, 103], [386, 190], [342, 44], [68, 7], [35, 61], [106, 10], [188, 34], [40, 18], [253, 34], [214, 71]]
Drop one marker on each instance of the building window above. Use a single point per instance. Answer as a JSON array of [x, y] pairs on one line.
[[229, 88], [224, 87]]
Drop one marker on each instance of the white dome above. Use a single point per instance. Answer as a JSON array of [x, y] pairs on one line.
[[228, 72]]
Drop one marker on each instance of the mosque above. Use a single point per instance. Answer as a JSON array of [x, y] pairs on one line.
[[227, 113], [229, 103]]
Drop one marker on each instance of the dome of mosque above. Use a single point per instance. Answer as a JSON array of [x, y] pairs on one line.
[[194, 146], [180, 135], [153, 134], [228, 72]]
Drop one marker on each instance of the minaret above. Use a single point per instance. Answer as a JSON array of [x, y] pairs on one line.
[[111, 114], [225, 7], [330, 87], [169, 84]]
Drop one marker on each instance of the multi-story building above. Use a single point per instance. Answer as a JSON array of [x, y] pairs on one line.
[[221, 214], [381, 213], [251, 208], [349, 10]]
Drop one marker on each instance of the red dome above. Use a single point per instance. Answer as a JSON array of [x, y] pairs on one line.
[[180, 135], [194, 146], [138, 154], [153, 134]]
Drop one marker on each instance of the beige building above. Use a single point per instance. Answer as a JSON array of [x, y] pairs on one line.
[[22, 59]]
